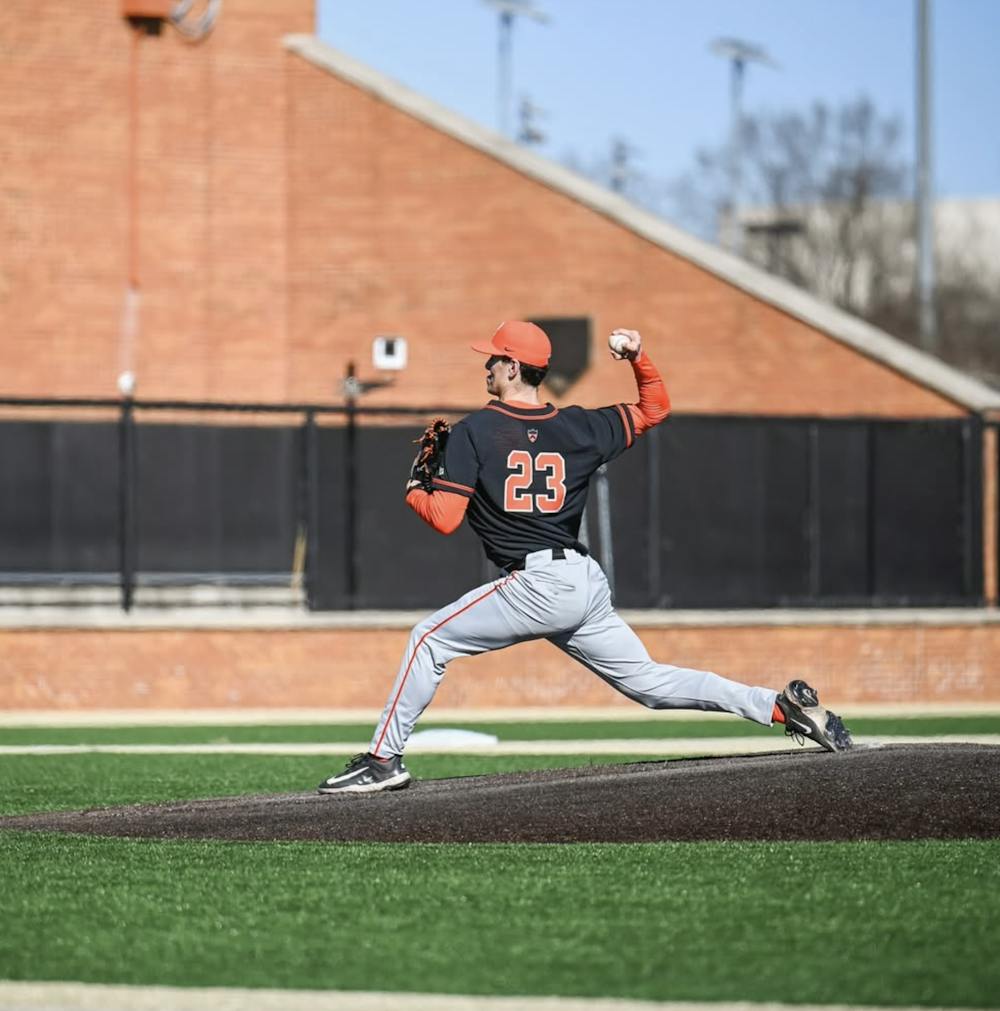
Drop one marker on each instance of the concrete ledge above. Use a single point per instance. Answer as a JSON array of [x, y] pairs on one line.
[[72, 597], [295, 618]]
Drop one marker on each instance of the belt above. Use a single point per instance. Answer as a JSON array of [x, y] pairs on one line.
[[558, 554]]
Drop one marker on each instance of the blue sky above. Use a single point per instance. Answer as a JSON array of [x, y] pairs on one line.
[[642, 69]]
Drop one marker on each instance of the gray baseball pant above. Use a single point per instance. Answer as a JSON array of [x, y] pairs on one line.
[[568, 602]]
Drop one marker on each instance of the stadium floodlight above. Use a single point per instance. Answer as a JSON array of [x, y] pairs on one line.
[[742, 52], [508, 10], [739, 54]]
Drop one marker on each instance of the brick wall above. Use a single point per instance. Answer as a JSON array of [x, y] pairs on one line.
[[78, 669], [211, 200], [398, 228], [284, 218]]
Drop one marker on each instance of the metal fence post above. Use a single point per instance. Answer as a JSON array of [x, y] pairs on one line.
[[604, 525], [351, 390], [655, 520], [309, 507], [126, 501]]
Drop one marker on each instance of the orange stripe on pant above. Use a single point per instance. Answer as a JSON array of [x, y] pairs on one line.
[[430, 631]]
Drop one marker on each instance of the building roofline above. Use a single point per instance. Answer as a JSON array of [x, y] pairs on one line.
[[860, 336]]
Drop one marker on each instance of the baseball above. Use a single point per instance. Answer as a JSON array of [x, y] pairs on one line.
[[617, 342]]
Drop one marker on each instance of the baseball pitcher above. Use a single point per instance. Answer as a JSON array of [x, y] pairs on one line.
[[519, 470]]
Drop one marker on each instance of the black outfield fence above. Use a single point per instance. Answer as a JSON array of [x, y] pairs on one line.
[[705, 511], [748, 511]]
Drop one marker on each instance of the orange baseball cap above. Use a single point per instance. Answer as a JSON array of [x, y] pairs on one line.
[[524, 342]]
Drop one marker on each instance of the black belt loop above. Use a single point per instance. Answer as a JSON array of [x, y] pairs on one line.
[[558, 554]]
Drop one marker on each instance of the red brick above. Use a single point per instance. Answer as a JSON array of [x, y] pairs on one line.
[[95, 669]]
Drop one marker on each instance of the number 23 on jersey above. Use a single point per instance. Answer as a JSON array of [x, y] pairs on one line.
[[517, 495]]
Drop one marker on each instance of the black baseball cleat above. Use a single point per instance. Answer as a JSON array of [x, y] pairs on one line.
[[805, 717], [367, 774]]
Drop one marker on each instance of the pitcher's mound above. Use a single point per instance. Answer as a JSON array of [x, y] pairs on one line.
[[898, 792]]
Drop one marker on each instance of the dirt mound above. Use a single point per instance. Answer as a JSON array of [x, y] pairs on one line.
[[896, 792]]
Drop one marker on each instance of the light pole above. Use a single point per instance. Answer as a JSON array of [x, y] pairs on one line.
[[739, 54], [508, 10], [925, 202]]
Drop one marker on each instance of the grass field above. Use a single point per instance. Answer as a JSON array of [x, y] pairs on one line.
[[854, 923]]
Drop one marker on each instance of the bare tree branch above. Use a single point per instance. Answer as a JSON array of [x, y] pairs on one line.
[[826, 203]]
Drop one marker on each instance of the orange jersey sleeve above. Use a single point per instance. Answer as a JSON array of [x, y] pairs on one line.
[[654, 401], [443, 510]]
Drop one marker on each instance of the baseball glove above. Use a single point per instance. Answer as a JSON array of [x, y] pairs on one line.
[[427, 462]]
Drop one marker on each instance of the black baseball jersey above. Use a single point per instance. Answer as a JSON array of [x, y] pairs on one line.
[[527, 470]]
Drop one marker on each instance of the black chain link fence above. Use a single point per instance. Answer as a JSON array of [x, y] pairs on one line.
[[705, 511]]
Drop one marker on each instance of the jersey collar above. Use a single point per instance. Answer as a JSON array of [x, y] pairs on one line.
[[518, 410]]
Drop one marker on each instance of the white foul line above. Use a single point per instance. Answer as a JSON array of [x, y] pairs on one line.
[[104, 997]]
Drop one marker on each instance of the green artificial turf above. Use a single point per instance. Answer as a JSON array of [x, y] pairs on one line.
[[862, 923], [845, 923], [664, 726]]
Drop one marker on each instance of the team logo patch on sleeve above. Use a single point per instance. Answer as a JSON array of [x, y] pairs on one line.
[[532, 434]]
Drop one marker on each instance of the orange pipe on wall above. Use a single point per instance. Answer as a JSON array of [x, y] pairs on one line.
[[133, 158]]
